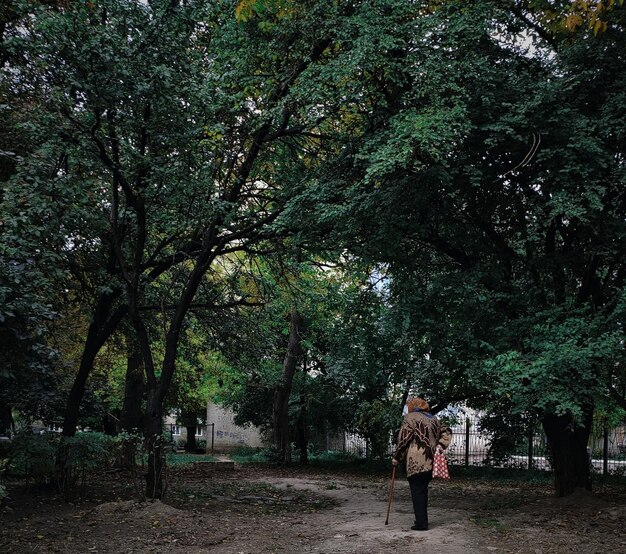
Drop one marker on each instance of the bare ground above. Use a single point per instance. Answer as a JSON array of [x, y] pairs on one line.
[[255, 510]]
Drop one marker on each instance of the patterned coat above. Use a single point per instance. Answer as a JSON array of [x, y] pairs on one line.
[[419, 435]]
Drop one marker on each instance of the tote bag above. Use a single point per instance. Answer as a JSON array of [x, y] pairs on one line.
[[440, 465]]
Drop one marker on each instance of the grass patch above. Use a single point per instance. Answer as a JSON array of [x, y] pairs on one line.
[[173, 459], [489, 523], [334, 458], [329, 459], [249, 455], [502, 475]]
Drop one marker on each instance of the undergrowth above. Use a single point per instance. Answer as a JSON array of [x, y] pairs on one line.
[[173, 459]]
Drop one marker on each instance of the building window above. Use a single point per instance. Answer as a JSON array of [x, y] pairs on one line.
[[175, 430], [199, 431]]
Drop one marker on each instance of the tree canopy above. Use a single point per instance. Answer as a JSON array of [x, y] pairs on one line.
[[392, 195]]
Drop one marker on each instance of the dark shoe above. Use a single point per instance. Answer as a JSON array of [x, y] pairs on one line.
[[416, 528]]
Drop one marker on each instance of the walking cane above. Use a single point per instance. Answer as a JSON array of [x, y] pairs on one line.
[[393, 478]]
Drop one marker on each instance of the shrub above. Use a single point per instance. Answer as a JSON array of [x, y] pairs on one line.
[[32, 456], [332, 457], [82, 453], [89, 451], [130, 447], [249, 455], [185, 459]]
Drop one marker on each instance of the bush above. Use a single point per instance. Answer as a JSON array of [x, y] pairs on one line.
[[249, 455], [376, 420], [89, 451], [32, 456], [130, 447], [332, 457], [185, 459], [82, 453]]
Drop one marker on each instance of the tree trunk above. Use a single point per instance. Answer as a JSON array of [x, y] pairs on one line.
[[155, 478], [75, 397], [134, 385], [101, 328], [109, 425], [157, 389], [568, 445], [283, 390], [302, 438], [6, 420], [132, 420], [189, 420], [191, 445]]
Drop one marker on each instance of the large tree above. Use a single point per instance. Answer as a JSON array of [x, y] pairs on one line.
[[177, 133], [495, 192]]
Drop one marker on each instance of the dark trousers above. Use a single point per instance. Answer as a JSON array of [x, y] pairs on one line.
[[419, 495]]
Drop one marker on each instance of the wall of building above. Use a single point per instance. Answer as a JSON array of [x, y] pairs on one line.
[[226, 436]]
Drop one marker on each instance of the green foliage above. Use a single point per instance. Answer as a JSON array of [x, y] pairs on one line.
[[500, 233], [90, 451], [334, 458], [509, 433], [461, 165], [27, 359], [32, 456], [562, 366], [187, 459], [376, 420], [249, 455]]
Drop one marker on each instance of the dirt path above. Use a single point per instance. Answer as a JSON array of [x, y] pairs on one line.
[[357, 524], [264, 511]]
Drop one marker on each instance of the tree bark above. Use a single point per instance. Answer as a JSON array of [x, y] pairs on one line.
[[109, 425], [101, 328], [283, 390], [302, 437], [134, 385], [190, 422], [568, 445], [6, 420], [155, 478], [132, 420]]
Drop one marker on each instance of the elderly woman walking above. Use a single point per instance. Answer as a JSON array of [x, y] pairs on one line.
[[420, 435]]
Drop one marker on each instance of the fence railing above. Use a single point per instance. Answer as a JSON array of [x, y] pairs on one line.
[[470, 446]]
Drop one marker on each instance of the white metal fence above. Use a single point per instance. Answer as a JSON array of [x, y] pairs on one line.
[[470, 446]]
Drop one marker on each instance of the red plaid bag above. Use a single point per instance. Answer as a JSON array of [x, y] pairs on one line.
[[440, 464]]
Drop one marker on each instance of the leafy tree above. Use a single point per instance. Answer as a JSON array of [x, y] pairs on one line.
[[470, 155], [493, 192], [177, 123]]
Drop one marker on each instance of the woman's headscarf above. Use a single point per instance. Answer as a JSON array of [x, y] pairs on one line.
[[416, 403]]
